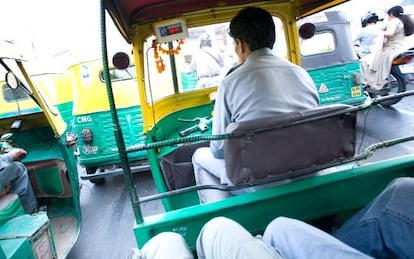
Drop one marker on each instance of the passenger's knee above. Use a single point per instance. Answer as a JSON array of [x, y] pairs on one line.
[[402, 183], [168, 237], [217, 224], [198, 154], [17, 168], [280, 227], [280, 224], [165, 244]]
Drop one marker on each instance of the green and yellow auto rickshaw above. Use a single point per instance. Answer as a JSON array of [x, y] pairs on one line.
[[29, 120], [97, 149], [318, 175]]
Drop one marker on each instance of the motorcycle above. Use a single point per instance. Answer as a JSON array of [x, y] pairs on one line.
[[401, 67]]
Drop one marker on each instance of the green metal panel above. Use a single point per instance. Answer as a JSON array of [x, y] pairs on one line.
[[336, 84], [16, 234], [65, 110], [103, 150], [169, 126], [23, 226], [17, 248], [337, 193], [40, 143], [13, 209], [49, 180]]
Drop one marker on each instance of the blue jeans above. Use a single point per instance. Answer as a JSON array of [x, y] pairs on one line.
[[295, 239], [15, 174], [385, 227]]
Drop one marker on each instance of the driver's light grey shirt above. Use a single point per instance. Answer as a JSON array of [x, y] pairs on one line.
[[263, 86]]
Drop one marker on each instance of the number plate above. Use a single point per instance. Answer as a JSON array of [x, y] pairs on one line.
[[356, 91], [407, 68]]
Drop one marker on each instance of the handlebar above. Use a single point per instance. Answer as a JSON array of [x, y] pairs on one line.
[[188, 131], [202, 126]]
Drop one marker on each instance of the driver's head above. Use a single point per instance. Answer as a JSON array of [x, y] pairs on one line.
[[255, 26]]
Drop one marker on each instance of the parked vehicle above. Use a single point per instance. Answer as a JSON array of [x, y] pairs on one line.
[[97, 149], [312, 185], [29, 120]]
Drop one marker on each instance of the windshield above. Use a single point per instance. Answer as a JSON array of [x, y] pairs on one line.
[[200, 61]]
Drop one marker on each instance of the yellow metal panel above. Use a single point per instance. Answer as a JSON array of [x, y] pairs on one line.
[[90, 94]]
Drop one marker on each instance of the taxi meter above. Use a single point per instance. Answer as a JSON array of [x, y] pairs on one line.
[[170, 30]]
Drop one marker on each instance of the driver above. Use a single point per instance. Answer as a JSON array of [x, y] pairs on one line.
[[263, 85], [15, 179]]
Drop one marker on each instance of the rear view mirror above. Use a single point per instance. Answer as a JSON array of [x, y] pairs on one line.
[[12, 80], [307, 30]]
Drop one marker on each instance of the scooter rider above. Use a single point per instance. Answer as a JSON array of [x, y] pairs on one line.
[[376, 66], [367, 35]]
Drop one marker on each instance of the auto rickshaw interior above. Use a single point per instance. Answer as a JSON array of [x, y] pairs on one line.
[[324, 190], [167, 79], [30, 121]]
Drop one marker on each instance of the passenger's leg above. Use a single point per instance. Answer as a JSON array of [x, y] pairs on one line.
[[166, 245], [209, 170], [16, 175], [385, 227], [296, 239], [224, 238]]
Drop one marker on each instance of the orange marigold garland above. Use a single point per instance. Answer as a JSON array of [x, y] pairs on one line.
[[159, 62]]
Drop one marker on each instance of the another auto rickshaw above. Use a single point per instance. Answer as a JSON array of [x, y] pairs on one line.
[[97, 149], [330, 59], [29, 120]]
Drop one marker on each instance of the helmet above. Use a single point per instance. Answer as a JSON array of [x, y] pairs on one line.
[[369, 18]]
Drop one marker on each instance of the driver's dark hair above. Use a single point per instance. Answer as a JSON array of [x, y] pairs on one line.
[[398, 11], [255, 26]]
